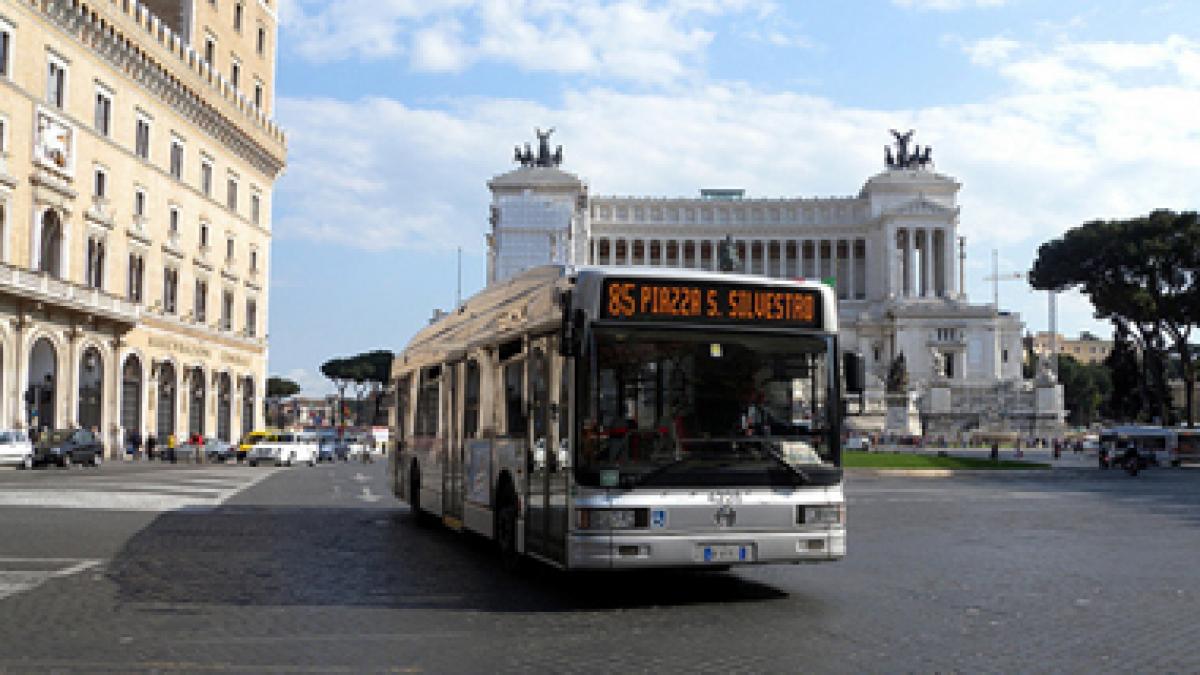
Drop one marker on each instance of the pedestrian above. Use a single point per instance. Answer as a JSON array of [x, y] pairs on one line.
[[137, 444], [151, 446], [171, 447]]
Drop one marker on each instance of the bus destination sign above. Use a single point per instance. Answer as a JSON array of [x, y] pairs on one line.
[[710, 302]]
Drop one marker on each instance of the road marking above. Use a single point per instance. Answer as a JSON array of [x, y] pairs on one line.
[[368, 496], [168, 491], [16, 581]]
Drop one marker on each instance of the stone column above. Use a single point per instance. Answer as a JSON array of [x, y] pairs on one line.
[[910, 262], [948, 263], [927, 260], [111, 417], [72, 373], [852, 268]]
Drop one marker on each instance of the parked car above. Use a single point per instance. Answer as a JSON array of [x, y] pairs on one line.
[[858, 442], [65, 447], [15, 449], [331, 450], [216, 450], [253, 438], [289, 448]]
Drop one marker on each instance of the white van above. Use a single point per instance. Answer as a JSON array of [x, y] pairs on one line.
[[15, 449], [286, 449]]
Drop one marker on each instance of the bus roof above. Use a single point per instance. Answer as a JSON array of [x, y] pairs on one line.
[[529, 302]]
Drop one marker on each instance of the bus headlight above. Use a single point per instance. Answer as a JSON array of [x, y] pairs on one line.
[[831, 514], [611, 519]]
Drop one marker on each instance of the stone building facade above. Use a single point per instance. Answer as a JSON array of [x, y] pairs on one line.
[[137, 161], [892, 251]]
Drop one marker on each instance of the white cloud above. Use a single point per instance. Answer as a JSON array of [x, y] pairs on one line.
[[1077, 144], [946, 5], [991, 51], [311, 384], [439, 48], [652, 43]]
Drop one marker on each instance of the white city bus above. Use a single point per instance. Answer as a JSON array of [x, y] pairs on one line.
[[620, 418]]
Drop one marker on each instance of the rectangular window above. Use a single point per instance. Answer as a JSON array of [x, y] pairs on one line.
[[139, 203], [227, 311], [516, 421], [137, 266], [238, 11], [103, 113], [203, 235], [235, 74], [253, 261], [177, 158], [471, 401], [170, 290], [206, 177], [6, 49], [251, 318], [100, 185], [261, 43], [426, 422], [201, 311], [254, 208], [142, 138], [258, 94], [173, 220], [210, 51], [56, 83], [229, 250], [231, 197], [94, 273]]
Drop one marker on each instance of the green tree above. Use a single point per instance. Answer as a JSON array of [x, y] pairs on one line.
[[278, 389], [365, 371], [1085, 388], [1143, 275]]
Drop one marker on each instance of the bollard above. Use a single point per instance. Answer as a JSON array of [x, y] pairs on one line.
[[995, 451]]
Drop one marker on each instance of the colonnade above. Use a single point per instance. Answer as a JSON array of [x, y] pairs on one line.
[[925, 262], [842, 258]]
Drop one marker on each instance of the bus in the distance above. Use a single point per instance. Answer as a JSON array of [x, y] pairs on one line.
[[598, 417]]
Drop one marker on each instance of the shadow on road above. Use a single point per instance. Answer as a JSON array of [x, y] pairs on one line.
[[258, 556]]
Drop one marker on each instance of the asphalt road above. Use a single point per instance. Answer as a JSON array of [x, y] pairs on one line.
[[233, 569]]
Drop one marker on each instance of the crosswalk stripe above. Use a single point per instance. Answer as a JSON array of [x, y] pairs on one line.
[[161, 491]]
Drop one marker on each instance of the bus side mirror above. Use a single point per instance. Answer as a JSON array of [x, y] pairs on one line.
[[853, 366]]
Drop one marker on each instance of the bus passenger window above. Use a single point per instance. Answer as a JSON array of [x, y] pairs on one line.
[[427, 404], [515, 420], [471, 401]]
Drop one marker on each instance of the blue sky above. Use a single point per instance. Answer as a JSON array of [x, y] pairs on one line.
[[399, 111]]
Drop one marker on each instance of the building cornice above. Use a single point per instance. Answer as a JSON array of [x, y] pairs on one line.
[[127, 54]]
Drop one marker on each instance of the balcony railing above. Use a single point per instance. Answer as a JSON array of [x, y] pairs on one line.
[[54, 291]]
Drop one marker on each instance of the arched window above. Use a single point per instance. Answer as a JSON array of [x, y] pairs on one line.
[[50, 260]]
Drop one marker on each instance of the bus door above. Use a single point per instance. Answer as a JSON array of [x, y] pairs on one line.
[[452, 475], [539, 447], [558, 462]]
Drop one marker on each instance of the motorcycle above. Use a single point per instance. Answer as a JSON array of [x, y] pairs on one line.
[[1132, 461]]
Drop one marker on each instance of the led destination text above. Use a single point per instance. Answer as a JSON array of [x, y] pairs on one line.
[[721, 303]]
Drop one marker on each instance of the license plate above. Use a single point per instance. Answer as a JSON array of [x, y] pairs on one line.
[[725, 553]]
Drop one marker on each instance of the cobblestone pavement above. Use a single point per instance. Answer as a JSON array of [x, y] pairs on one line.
[[316, 570]]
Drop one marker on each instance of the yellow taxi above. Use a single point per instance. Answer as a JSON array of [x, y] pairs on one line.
[[254, 437]]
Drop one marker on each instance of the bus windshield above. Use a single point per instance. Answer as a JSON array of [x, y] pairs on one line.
[[688, 408]]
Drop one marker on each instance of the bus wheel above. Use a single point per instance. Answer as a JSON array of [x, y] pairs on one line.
[[506, 532]]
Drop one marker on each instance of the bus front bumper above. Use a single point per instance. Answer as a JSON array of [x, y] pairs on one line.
[[706, 549]]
